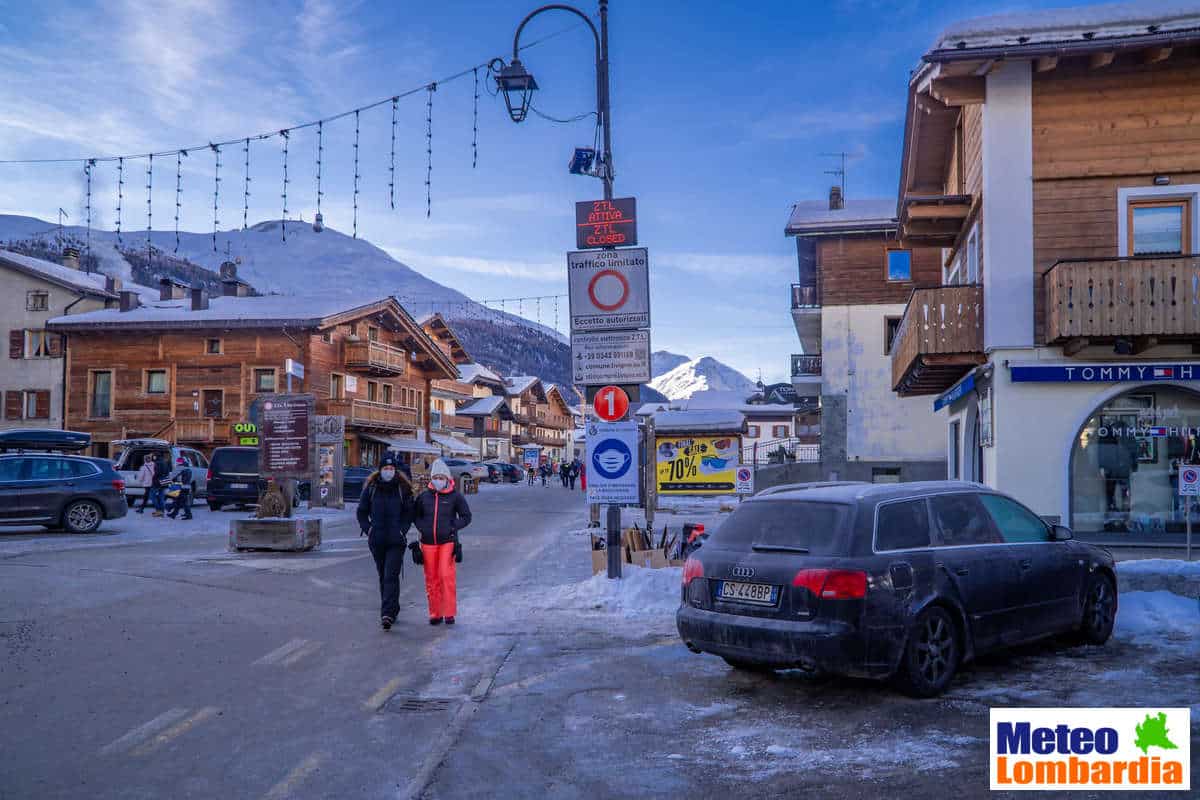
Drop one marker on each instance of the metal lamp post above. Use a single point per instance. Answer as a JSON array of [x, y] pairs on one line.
[[518, 85]]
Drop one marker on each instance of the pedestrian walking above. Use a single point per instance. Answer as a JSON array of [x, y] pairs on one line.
[[440, 512], [573, 473], [531, 474], [564, 474], [544, 469], [181, 478], [145, 478], [385, 511], [162, 472]]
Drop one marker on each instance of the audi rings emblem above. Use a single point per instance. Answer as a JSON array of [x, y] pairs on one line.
[[742, 572]]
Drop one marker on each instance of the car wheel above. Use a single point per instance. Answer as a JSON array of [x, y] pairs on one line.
[[82, 516], [1099, 609], [749, 666], [213, 505], [932, 654]]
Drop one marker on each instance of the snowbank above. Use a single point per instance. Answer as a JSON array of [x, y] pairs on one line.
[[639, 593], [1156, 574], [1160, 618]]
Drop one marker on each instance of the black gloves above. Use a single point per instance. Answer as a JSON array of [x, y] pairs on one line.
[[417, 557], [457, 551]]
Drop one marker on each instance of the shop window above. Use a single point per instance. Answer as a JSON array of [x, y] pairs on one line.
[[1159, 227], [899, 265], [1125, 461], [156, 381], [961, 521], [902, 526], [1015, 522]]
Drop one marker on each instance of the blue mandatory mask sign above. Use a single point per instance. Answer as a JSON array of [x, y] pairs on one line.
[[611, 458], [613, 476]]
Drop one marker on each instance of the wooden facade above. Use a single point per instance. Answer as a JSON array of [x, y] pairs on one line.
[[852, 270], [192, 384], [939, 340]]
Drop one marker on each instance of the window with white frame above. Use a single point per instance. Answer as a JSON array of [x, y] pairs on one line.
[[1158, 220], [973, 257]]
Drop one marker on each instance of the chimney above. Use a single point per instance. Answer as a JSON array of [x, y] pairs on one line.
[[199, 299], [228, 270], [171, 289], [70, 257], [129, 301], [112, 285], [836, 201]]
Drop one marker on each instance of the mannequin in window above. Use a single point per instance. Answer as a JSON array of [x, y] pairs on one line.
[[1118, 460]]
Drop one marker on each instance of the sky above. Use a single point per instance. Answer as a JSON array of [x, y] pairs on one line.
[[721, 113]]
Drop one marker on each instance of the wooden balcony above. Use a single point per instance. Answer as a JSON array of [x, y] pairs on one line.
[[1142, 300], [365, 414], [376, 358], [196, 431], [940, 339], [550, 441], [805, 296]]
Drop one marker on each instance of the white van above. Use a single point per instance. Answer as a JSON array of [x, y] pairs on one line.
[[134, 452]]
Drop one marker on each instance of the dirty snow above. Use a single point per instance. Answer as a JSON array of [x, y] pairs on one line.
[[1160, 566], [640, 593], [1160, 618]]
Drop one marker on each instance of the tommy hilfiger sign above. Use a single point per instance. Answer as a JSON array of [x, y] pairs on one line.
[[1103, 373]]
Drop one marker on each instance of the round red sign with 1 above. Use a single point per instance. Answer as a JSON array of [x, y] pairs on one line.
[[611, 403]]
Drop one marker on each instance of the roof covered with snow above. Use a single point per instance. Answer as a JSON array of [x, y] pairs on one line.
[[483, 407], [867, 214], [89, 282], [470, 373], [227, 312], [454, 444], [1086, 27], [517, 384], [699, 421]]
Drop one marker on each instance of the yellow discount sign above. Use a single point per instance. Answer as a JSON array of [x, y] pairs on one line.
[[697, 464]]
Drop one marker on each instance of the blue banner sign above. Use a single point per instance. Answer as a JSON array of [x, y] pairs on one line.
[[955, 392], [1103, 373]]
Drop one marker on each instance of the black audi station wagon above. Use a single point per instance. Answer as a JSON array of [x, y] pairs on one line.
[[903, 581]]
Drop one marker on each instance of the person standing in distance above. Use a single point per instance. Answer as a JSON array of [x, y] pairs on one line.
[[385, 510], [440, 512]]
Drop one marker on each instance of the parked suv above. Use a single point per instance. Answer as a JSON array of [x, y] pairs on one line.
[[903, 580], [233, 477], [129, 462], [59, 491], [460, 469]]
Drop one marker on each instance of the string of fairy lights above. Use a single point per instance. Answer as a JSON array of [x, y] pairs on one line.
[[90, 163]]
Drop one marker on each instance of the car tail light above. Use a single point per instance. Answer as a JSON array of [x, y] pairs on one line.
[[833, 584], [208, 475], [119, 485], [692, 568]]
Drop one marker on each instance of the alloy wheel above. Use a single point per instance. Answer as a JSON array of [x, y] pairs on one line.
[[1100, 606], [935, 645], [83, 517]]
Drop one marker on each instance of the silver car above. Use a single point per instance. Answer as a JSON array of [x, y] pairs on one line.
[[134, 452]]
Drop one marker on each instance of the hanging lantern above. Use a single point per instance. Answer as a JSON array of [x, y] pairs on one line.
[[318, 223], [518, 87]]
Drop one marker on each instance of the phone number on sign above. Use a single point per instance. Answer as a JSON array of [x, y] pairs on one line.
[[610, 356]]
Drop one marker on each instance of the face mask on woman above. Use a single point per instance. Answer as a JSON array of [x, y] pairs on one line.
[[387, 473], [440, 483]]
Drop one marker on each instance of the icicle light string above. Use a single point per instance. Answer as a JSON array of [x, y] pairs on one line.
[[355, 235], [178, 193], [246, 186], [392, 167], [120, 194], [216, 148], [475, 123], [320, 151], [429, 150], [149, 205], [87, 173], [300, 126], [283, 220]]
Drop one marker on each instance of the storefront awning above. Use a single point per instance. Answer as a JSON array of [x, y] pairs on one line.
[[402, 445], [454, 445]]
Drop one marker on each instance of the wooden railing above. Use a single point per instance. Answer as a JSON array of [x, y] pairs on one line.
[[939, 339], [374, 415], [376, 356], [805, 296], [195, 430], [1123, 297]]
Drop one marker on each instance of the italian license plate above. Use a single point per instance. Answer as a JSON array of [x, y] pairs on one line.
[[239, 486], [761, 593]]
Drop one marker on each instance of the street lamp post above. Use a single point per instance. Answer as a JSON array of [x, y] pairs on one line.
[[518, 85]]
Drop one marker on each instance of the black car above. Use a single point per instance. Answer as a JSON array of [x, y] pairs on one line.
[[59, 491], [903, 580], [233, 477], [508, 472]]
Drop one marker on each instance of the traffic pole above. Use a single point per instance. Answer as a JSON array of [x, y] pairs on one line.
[[614, 541]]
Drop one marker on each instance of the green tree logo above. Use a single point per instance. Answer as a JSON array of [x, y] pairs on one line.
[[1153, 733]]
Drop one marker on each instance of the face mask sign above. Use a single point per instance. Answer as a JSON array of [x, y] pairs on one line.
[[387, 474]]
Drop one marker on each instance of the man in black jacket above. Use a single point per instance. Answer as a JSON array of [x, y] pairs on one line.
[[385, 510], [440, 513]]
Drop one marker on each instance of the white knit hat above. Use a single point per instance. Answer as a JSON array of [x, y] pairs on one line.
[[439, 468]]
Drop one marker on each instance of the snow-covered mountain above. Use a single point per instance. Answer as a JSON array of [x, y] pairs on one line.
[[664, 361], [701, 374], [332, 263]]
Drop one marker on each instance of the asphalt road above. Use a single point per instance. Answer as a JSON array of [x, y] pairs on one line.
[[149, 665]]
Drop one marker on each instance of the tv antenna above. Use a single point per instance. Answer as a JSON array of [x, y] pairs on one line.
[[840, 172], [61, 214]]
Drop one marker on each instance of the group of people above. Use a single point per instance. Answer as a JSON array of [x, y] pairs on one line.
[[567, 471], [388, 508], [165, 484]]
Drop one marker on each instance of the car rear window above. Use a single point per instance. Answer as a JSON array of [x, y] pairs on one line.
[[816, 527], [133, 459], [244, 462]]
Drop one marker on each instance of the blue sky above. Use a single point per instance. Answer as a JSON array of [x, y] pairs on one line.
[[720, 113]]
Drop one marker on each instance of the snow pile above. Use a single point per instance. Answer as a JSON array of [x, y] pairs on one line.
[[639, 593], [1155, 574], [1159, 618]]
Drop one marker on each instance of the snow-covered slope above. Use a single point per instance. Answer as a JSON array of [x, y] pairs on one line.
[[664, 361], [700, 374]]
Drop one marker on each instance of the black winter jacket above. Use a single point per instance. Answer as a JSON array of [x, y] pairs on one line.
[[385, 510], [439, 517]]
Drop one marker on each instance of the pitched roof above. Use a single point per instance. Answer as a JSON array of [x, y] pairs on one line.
[[1083, 28], [867, 214], [517, 384], [482, 407], [88, 282], [228, 312], [472, 373]]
